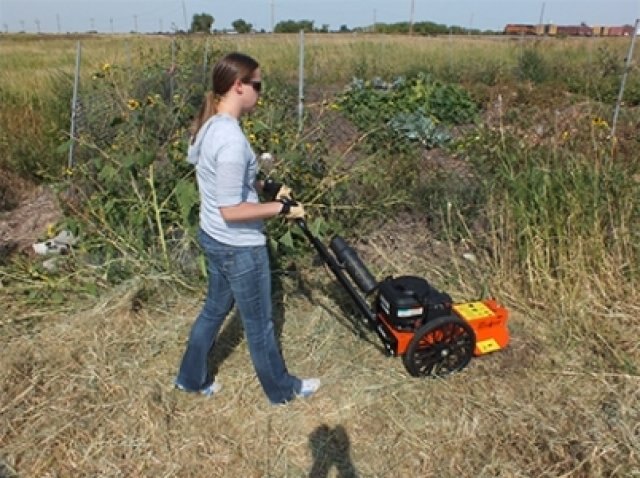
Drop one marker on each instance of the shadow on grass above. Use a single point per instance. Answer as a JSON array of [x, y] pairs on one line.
[[349, 315], [330, 447]]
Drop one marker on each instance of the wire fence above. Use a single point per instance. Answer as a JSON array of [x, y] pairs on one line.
[[94, 111]]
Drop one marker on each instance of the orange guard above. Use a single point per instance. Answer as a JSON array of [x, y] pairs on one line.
[[488, 320]]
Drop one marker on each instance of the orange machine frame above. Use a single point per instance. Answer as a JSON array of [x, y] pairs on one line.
[[487, 318]]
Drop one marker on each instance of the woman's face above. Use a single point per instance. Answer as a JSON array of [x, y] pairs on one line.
[[251, 91]]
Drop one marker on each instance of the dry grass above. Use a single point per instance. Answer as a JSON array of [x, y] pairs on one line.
[[90, 394]]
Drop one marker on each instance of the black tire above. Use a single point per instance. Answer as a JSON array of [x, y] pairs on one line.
[[440, 347]]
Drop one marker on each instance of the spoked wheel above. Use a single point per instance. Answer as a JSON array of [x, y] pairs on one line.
[[440, 347]]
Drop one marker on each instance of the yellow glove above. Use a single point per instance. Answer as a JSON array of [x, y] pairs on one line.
[[284, 192], [291, 209]]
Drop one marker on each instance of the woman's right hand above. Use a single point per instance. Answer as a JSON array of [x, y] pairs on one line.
[[291, 209], [295, 212]]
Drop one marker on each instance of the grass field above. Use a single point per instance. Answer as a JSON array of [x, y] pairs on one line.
[[536, 192]]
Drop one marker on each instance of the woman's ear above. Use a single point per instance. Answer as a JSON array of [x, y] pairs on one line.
[[238, 86]]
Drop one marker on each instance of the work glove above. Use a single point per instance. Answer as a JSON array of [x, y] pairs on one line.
[[291, 209], [284, 192], [276, 191]]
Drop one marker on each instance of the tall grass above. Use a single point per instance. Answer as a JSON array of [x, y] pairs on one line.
[[559, 221], [545, 201], [556, 212]]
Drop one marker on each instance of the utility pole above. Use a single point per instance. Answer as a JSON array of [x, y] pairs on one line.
[[470, 24], [37, 22], [93, 23], [541, 29], [184, 14], [273, 15], [58, 23], [374, 20], [135, 23], [413, 8], [111, 23], [6, 28], [22, 25], [160, 25]]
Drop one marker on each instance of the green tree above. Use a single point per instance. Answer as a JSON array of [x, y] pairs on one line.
[[241, 26], [292, 26], [202, 22]]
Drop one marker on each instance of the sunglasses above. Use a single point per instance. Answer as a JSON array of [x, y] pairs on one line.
[[256, 84]]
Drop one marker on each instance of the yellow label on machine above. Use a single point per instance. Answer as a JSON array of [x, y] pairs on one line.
[[486, 346], [473, 310]]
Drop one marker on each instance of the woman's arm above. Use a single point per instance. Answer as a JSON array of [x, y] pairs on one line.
[[247, 211]]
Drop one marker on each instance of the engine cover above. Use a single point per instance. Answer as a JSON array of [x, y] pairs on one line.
[[407, 302]]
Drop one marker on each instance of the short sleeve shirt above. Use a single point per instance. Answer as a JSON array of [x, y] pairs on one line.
[[226, 169]]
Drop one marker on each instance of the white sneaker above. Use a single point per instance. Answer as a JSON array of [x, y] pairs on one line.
[[309, 387], [209, 391]]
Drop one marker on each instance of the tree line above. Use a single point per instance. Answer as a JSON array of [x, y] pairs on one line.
[[203, 23]]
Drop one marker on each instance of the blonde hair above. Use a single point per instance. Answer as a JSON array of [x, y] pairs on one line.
[[231, 67]]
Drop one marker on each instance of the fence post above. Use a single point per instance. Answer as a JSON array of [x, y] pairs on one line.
[[205, 64], [627, 66], [74, 107], [173, 69], [301, 82]]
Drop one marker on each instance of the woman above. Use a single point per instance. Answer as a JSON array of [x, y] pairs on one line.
[[231, 235]]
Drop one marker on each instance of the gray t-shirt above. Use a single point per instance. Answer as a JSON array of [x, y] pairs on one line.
[[226, 169]]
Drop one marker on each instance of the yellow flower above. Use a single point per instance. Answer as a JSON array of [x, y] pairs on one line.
[[252, 138], [599, 122], [260, 102], [151, 100], [334, 106], [275, 139], [106, 67], [565, 135], [133, 104], [51, 230]]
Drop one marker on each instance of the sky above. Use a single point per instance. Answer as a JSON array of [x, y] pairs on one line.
[[61, 16]]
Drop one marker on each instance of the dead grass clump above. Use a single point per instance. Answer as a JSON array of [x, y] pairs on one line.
[[91, 394]]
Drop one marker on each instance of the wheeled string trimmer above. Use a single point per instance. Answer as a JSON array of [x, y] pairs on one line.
[[434, 336]]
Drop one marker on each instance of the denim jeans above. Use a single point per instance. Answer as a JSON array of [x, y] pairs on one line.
[[239, 275]]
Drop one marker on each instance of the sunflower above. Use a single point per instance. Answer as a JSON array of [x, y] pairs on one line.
[[133, 104]]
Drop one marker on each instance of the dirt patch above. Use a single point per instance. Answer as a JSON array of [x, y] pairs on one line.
[[26, 210]]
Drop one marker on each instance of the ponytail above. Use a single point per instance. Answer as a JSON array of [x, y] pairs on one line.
[[207, 110], [225, 73]]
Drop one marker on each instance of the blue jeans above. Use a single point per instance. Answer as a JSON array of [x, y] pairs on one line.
[[239, 275]]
